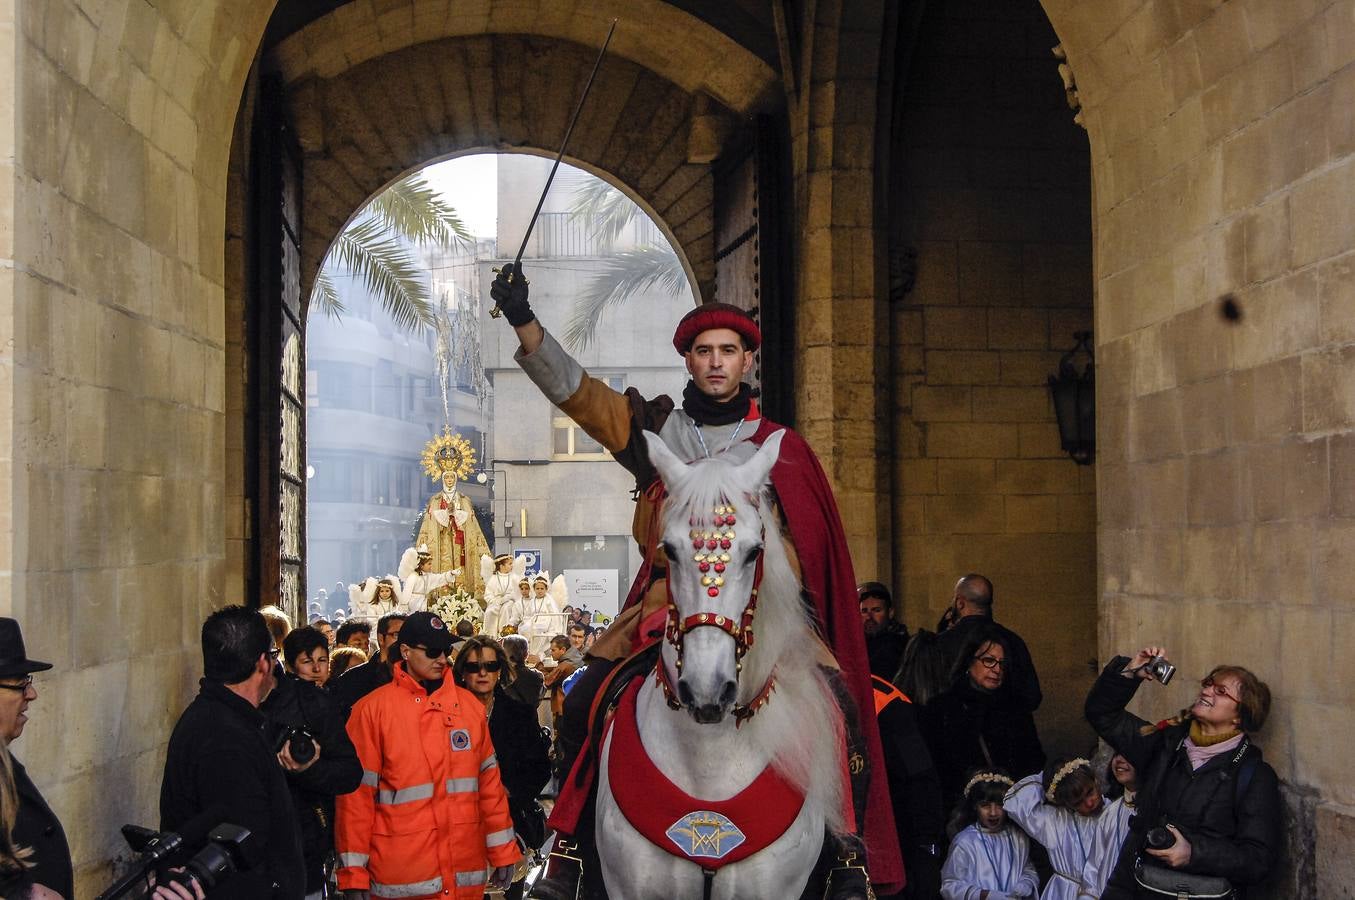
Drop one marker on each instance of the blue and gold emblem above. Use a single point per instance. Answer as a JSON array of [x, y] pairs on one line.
[[705, 833]]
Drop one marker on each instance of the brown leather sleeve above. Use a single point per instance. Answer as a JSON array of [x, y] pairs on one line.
[[601, 412]]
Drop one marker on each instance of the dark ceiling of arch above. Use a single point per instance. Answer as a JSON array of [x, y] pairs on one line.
[[748, 22]]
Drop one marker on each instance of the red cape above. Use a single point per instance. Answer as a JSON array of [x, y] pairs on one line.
[[826, 570]]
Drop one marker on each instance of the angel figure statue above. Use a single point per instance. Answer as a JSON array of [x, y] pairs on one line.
[[374, 598], [500, 576], [448, 527]]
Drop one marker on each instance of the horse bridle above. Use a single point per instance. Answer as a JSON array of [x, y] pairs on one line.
[[711, 558]]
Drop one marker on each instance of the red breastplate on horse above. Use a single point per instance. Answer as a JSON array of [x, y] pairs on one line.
[[710, 833]]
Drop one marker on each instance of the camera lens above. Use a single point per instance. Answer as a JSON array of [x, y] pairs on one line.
[[301, 747], [1159, 838]]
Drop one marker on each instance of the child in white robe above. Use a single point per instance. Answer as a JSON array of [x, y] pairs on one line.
[[989, 857], [1064, 810]]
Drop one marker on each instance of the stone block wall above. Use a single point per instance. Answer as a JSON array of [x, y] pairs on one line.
[[1224, 164], [117, 129], [996, 202]]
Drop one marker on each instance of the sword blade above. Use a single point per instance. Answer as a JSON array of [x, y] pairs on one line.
[[564, 144]]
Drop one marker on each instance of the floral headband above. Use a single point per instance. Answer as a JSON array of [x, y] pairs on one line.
[[981, 777], [1068, 768]]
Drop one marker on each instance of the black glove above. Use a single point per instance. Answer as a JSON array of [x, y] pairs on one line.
[[509, 291]]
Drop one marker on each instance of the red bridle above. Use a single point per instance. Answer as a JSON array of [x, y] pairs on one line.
[[712, 565]]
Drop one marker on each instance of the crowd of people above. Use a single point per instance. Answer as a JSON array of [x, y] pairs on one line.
[[416, 772], [1184, 807]]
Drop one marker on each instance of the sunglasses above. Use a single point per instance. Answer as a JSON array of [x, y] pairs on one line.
[[431, 654], [21, 686], [475, 668]]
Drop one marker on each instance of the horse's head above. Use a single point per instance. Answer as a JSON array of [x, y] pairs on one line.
[[713, 536]]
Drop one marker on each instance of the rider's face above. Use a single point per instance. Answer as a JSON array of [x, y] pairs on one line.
[[717, 362]]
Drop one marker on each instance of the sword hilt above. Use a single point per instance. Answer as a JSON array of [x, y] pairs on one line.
[[495, 312]]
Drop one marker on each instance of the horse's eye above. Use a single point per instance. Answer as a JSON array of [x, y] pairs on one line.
[[668, 551], [752, 555]]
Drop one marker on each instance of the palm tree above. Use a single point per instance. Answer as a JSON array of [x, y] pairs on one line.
[[375, 249], [605, 212]]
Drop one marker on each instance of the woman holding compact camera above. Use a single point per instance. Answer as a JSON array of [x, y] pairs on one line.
[[1208, 820]]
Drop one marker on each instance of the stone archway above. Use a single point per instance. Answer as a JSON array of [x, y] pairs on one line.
[[365, 127]]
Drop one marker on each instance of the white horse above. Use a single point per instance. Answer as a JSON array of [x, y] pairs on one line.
[[722, 707]]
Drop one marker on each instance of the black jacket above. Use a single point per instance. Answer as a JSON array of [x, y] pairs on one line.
[[524, 755], [964, 721], [357, 683], [1232, 837], [36, 826], [1020, 681], [885, 649], [526, 686], [220, 756], [337, 771]]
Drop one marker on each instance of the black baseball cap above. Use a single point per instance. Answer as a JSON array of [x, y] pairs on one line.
[[423, 629], [874, 589]]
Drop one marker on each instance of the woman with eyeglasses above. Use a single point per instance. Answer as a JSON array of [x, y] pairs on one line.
[[1209, 811], [978, 722], [524, 754]]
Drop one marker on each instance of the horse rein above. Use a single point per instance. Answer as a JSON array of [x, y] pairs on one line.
[[711, 557]]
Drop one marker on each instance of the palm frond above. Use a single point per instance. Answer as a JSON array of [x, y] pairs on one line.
[[622, 277], [387, 270], [604, 211], [324, 296], [410, 207]]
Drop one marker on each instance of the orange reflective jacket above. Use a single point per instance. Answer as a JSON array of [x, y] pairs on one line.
[[886, 693], [431, 815]]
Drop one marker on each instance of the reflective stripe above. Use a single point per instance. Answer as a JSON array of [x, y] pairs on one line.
[[490, 762], [470, 879], [499, 838], [405, 795], [353, 859], [463, 785], [369, 778], [413, 889]]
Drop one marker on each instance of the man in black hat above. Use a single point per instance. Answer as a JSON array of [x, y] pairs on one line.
[[36, 826]]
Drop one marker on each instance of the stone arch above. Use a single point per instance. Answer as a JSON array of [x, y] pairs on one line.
[[365, 127]]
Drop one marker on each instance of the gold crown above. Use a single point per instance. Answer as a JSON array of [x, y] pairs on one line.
[[448, 452]]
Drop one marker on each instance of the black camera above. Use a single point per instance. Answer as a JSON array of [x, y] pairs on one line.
[[1160, 668], [1159, 838], [223, 855], [299, 742], [228, 849]]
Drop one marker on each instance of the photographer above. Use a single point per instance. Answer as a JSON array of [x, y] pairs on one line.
[[307, 722], [1209, 807], [220, 757]]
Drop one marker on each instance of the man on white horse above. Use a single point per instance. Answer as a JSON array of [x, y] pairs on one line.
[[717, 416]]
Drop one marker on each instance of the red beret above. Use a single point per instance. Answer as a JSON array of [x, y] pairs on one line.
[[716, 315]]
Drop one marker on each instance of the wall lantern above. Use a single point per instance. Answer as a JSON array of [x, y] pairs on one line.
[[1074, 397]]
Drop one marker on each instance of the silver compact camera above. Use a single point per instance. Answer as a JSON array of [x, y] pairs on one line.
[[1160, 668]]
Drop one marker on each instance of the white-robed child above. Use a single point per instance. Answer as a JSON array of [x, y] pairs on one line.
[[1064, 809], [989, 857]]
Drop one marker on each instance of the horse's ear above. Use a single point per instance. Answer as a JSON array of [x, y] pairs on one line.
[[670, 468], [757, 470]]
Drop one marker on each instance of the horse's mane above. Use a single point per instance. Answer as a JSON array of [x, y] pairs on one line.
[[802, 725]]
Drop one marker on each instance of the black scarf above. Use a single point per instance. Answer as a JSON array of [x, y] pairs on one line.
[[706, 411]]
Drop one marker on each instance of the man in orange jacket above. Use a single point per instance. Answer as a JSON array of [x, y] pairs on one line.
[[431, 815]]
